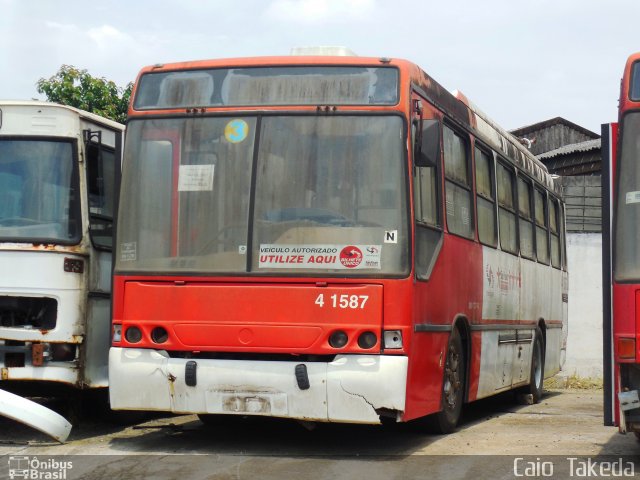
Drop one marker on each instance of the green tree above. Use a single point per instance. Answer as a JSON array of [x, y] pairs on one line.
[[76, 88]]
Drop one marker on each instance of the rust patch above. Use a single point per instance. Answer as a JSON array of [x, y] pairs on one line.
[[5, 374], [80, 249], [48, 247], [37, 354], [172, 385]]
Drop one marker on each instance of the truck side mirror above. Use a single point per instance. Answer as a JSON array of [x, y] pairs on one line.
[[428, 145]]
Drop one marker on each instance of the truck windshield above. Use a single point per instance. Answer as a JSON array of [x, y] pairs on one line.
[[264, 195], [38, 199]]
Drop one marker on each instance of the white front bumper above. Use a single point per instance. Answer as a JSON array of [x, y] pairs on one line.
[[349, 389], [34, 415]]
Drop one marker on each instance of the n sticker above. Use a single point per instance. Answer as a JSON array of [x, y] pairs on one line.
[[391, 236]]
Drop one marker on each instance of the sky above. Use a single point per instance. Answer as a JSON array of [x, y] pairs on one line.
[[520, 62]]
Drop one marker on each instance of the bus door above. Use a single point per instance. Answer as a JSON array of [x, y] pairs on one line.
[[102, 156]]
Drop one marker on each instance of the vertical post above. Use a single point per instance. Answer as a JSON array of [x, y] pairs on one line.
[[607, 321]]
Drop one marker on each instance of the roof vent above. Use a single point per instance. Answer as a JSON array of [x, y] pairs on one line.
[[322, 51]]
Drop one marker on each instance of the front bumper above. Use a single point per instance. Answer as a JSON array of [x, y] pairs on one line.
[[351, 388], [60, 372]]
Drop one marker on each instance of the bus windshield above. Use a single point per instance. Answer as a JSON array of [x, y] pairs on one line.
[[627, 253], [38, 200], [284, 85], [266, 195]]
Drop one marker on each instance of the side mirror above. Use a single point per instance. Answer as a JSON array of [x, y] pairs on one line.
[[427, 151]]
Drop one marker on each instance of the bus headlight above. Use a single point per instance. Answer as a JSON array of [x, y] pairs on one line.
[[133, 335], [338, 339], [159, 335], [392, 339], [367, 340]]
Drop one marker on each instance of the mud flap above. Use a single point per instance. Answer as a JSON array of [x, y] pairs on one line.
[[34, 415]]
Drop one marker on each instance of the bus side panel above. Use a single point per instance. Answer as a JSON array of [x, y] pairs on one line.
[[554, 323], [454, 292], [517, 293], [97, 342], [501, 310], [98, 317]]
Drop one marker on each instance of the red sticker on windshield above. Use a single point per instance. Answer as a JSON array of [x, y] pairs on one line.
[[351, 256]]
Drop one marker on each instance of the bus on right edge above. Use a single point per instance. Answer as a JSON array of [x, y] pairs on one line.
[[621, 256]]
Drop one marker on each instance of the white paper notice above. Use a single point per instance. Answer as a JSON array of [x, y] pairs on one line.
[[633, 197], [128, 251], [194, 178]]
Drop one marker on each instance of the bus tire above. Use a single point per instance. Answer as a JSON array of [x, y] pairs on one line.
[[536, 378], [453, 386]]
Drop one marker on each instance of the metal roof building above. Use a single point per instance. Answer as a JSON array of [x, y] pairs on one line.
[[574, 154]]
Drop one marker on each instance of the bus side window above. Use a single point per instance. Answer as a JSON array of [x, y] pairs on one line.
[[486, 200], [457, 185], [156, 162], [100, 185], [426, 202], [427, 215], [525, 218], [506, 210], [542, 234], [555, 233], [563, 237]]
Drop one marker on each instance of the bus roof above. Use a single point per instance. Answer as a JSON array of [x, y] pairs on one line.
[[81, 113], [633, 57], [274, 60]]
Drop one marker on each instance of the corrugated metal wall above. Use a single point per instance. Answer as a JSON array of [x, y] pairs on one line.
[[583, 198], [556, 136]]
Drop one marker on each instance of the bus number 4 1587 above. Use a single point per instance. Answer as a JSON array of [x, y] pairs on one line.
[[343, 301]]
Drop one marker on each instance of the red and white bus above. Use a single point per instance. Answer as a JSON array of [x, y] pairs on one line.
[[621, 256], [329, 238]]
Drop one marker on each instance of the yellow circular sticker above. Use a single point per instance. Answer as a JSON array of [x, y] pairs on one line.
[[236, 131]]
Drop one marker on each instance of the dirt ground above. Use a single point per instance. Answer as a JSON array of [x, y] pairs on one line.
[[565, 423]]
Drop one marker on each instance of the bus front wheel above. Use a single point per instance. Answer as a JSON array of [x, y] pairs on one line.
[[453, 385]]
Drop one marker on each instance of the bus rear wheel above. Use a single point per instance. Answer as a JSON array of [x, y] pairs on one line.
[[536, 378], [453, 385]]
